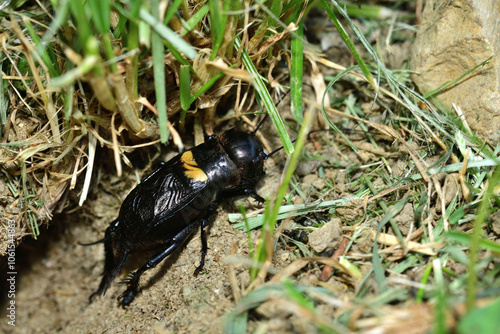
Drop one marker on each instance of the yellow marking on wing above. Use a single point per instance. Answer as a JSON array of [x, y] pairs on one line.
[[192, 170]]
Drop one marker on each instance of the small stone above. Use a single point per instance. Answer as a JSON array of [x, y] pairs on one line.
[[351, 211], [297, 199], [405, 218], [327, 237], [314, 181], [309, 179], [307, 167], [244, 279], [285, 256], [451, 188], [495, 222], [187, 293], [274, 308], [399, 168], [319, 184], [330, 174]]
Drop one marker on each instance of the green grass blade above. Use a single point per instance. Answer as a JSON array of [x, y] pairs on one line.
[[172, 8], [120, 30], [100, 13], [167, 33], [194, 20], [108, 49], [61, 17], [482, 213], [185, 87], [441, 307], [466, 239], [177, 55], [297, 69], [276, 10], [159, 75], [425, 278], [264, 95], [49, 60], [296, 296], [132, 66], [350, 44], [4, 100], [217, 26], [288, 211], [325, 115], [206, 86], [367, 11], [82, 24], [268, 227], [378, 269], [456, 167], [236, 323], [481, 320], [68, 78], [135, 9], [33, 224]]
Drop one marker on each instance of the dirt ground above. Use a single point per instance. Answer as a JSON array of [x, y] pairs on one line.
[[56, 275], [53, 293]]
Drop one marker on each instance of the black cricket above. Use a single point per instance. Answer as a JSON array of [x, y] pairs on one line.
[[177, 198]]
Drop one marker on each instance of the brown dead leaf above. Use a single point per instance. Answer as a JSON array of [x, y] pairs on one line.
[[232, 72], [392, 240]]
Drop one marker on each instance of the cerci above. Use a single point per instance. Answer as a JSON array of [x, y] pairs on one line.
[[183, 194]]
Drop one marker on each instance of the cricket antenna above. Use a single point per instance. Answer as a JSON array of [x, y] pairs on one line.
[[93, 243], [260, 124], [276, 150], [265, 117]]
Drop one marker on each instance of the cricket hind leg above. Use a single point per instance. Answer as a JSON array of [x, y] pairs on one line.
[[111, 269], [133, 279], [204, 250]]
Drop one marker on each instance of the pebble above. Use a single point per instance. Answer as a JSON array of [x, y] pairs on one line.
[[327, 237]]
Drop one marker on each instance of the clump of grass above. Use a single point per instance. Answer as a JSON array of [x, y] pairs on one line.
[[75, 66]]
